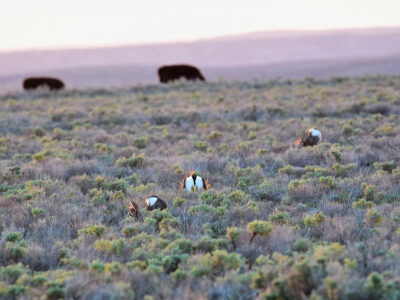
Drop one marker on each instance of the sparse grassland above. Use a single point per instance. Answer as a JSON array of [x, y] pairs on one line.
[[279, 222]]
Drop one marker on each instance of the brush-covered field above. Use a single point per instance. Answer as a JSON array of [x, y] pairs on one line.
[[279, 222]]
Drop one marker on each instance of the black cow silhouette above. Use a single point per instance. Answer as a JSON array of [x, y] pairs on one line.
[[174, 72], [33, 83]]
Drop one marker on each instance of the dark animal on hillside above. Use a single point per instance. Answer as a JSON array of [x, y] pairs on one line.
[[153, 202], [194, 183], [314, 136], [174, 72], [52, 84]]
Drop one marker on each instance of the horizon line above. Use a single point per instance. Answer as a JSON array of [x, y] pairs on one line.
[[189, 41]]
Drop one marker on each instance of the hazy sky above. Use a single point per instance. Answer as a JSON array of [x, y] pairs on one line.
[[26, 24]]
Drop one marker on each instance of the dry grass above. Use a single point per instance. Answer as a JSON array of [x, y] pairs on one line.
[[74, 159]]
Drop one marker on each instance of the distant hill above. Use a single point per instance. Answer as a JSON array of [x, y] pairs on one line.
[[246, 56]]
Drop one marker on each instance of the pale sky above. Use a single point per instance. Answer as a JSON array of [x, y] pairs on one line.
[[41, 24]]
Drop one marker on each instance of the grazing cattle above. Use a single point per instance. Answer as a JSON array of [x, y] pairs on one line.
[[153, 202], [194, 183], [32, 83], [314, 136], [174, 72]]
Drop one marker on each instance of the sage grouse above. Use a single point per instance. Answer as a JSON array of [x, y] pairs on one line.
[[194, 183], [314, 136]]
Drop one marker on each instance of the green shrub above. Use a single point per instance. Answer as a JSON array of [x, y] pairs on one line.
[[23, 157], [140, 143], [171, 262], [214, 135], [40, 156], [159, 215], [129, 231], [168, 223], [25, 279], [315, 220], [233, 234], [179, 202], [12, 272], [38, 280], [373, 218], [201, 146], [114, 247], [347, 130], [262, 152], [133, 162], [179, 275], [369, 191], [362, 203], [14, 291], [331, 286], [327, 181], [213, 198], [375, 284], [343, 170], [252, 135], [396, 173], [154, 269], [385, 166], [328, 252], [297, 185], [132, 180], [113, 268], [94, 230], [244, 182], [102, 147], [150, 222], [209, 244], [145, 188], [202, 209], [288, 169], [73, 262], [117, 247], [200, 270], [137, 264], [221, 260], [315, 172], [13, 237], [117, 185], [38, 212], [279, 218], [336, 156], [97, 267], [350, 264], [258, 227], [179, 246], [301, 245], [236, 196], [55, 292], [39, 131], [216, 263], [16, 252]]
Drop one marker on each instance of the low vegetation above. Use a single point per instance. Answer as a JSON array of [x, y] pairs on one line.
[[280, 222]]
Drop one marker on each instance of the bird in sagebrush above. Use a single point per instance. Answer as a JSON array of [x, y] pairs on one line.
[[154, 202], [134, 209], [314, 136], [193, 182]]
